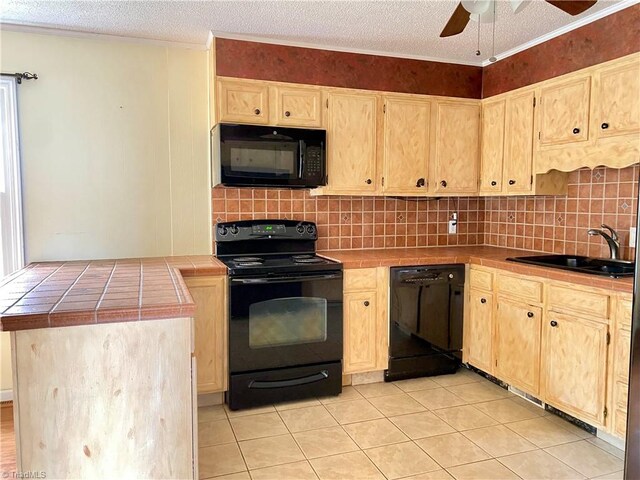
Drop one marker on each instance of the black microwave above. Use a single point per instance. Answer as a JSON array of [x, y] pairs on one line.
[[262, 156]]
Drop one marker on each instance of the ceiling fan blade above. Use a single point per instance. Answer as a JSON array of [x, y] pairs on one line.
[[456, 23], [573, 7]]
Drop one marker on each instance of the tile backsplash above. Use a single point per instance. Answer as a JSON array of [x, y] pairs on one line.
[[559, 224], [555, 224], [358, 222]]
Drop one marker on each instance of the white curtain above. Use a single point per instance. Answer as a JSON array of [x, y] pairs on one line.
[[11, 235]]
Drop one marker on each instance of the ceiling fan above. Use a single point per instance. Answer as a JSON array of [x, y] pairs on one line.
[[468, 8]]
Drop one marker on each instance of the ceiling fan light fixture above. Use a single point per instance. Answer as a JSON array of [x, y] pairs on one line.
[[476, 6], [486, 17]]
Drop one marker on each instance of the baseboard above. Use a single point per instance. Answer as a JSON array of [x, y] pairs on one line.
[[607, 437], [368, 377], [209, 399], [6, 395]]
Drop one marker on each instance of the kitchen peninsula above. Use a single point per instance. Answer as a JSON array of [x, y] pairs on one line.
[[103, 370]]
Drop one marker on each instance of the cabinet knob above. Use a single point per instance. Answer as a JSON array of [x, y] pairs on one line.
[[493, 183], [366, 303], [257, 111], [512, 182], [530, 314], [420, 182], [287, 113], [576, 131], [443, 183], [553, 323], [483, 300], [368, 181], [604, 126]]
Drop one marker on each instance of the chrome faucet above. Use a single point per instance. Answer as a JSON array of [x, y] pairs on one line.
[[613, 240]]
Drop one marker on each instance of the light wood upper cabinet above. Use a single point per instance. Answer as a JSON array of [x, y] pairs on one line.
[[492, 146], [518, 163], [564, 112], [480, 330], [517, 344], [209, 295], [366, 320], [406, 145], [617, 100], [574, 358], [298, 107], [456, 148], [351, 143], [243, 101]]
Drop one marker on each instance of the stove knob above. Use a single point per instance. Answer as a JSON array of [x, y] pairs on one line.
[[234, 230], [222, 231], [311, 229], [300, 229]]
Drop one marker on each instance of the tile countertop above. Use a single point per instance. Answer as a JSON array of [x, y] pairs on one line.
[[61, 294], [494, 257]]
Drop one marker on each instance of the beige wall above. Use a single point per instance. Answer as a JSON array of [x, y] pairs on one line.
[[115, 149]]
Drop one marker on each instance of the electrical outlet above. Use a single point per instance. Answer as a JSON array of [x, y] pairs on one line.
[[453, 226], [632, 236]]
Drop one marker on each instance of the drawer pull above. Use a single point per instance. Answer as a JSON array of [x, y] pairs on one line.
[[483, 300], [257, 111], [604, 126], [368, 181], [493, 183], [576, 131], [287, 114], [512, 182], [420, 182], [444, 183], [530, 314], [366, 303], [553, 323]]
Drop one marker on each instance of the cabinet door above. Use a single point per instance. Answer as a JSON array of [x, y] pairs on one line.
[[457, 147], [618, 102], [492, 150], [564, 112], [360, 331], [518, 159], [406, 145], [351, 143], [245, 102], [517, 344], [479, 332], [209, 295], [575, 364], [298, 107]]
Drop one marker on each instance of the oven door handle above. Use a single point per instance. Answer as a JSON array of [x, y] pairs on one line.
[[297, 278], [316, 377]]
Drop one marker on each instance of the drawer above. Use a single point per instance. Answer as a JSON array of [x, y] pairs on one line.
[[358, 279], [567, 299], [480, 279], [621, 395], [524, 288], [624, 311]]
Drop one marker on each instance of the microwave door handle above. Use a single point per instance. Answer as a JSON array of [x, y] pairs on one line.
[[302, 146]]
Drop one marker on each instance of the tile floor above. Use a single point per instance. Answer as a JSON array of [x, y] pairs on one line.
[[455, 426]]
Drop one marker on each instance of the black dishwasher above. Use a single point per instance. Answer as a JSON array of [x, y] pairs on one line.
[[425, 334]]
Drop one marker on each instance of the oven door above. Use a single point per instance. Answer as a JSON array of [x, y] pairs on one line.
[[285, 321]]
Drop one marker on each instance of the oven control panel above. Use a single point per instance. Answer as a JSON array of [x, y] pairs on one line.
[[265, 230]]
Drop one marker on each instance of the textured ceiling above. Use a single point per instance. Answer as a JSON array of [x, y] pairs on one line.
[[400, 28]]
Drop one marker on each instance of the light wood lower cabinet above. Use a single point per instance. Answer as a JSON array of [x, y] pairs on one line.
[[517, 344], [366, 320], [479, 330], [566, 344], [574, 362], [210, 297]]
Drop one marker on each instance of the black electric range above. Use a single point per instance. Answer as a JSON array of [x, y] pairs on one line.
[[285, 313]]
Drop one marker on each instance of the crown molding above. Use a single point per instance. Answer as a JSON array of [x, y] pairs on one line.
[[63, 32], [616, 7]]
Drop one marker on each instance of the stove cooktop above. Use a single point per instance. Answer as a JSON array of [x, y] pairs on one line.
[[277, 263]]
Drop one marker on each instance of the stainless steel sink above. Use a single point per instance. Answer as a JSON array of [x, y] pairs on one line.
[[577, 263]]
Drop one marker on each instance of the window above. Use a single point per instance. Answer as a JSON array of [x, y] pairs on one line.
[[11, 239]]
